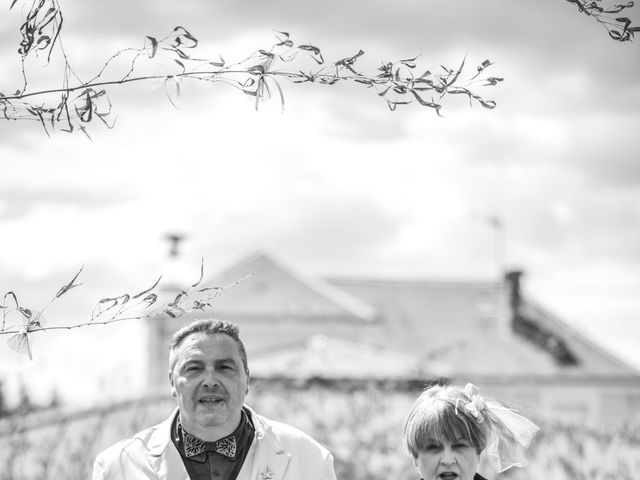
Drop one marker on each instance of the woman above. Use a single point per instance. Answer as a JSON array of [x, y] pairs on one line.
[[448, 427]]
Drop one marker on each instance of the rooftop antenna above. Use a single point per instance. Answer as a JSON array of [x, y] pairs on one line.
[[499, 243]]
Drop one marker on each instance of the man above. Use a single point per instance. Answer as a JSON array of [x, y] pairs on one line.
[[212, 435]]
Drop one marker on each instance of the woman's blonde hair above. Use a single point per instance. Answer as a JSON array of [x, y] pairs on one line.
[[439, 415]]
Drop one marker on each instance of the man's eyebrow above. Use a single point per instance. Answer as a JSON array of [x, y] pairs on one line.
[[189, 361], [225, 360]]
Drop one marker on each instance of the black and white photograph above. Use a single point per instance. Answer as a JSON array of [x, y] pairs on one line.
[[319, 240]]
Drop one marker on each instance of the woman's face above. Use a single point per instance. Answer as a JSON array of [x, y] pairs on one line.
[[445, 460]]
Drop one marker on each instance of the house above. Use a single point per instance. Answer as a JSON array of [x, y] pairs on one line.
[[353, 329]]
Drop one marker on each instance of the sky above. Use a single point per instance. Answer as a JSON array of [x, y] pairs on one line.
[[336, 184]]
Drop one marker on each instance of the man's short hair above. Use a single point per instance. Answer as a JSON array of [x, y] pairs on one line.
[[207, 327]]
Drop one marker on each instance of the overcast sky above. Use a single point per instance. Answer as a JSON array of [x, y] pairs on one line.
[[337, 184]]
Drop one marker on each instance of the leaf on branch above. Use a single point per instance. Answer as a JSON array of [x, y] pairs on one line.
[[314, 53], [197, 305], [178, 298], [69, 285], [264, 53], [453, 80], [329, 81], [43, 42], [174, 311], [283, 41], [489, 104], [483, 65], [410, 62], [13, 295], [256, 69], [392, 105], [616, 35], [423, 102], [154, 46], [176, 82], [349, 61], [150, 299], [206, 289], [364, 81], [492, 81], [181, 34], [121, 300], [201, 273], [181, 54], [148, 289], [110, 303], [618, 8], [384, 92], [625, 21], [20, 343], [218, 64], [181, 65]]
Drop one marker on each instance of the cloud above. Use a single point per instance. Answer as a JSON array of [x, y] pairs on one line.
[[358, 227], [20, 201], [607, 146]]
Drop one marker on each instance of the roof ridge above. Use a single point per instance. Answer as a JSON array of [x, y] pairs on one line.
[[413, 281], [333, 294], [353, 305]]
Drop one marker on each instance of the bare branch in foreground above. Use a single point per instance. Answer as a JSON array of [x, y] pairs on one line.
[[76, 103], [107, 310]]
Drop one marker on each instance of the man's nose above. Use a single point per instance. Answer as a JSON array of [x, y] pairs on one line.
[[210, 378]]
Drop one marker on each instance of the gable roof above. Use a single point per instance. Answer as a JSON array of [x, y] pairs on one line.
[[275, 290], [466, 326]]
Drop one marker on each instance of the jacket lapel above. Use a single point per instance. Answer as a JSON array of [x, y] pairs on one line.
[[267, 459], [163, 457]]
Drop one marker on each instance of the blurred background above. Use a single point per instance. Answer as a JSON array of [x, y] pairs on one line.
[[386, 249]]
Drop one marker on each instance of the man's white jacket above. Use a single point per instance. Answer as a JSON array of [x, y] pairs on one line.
[[278, 452]]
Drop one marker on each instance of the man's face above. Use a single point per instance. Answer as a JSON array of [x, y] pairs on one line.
[[209, 381]]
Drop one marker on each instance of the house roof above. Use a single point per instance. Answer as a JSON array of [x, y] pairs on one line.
[[276, 290], [467, 325]]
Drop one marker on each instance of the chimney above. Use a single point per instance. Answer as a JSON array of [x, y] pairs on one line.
[[176, 272], [512, 280], [533, 330], [174, 240]]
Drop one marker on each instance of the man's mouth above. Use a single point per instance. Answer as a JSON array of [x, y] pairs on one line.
[[448, 476], [209, 400]]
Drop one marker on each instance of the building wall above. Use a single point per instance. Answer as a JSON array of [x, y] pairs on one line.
[[597, 402]]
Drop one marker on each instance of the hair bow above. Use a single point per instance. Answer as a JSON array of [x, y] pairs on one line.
[[476, 403]]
